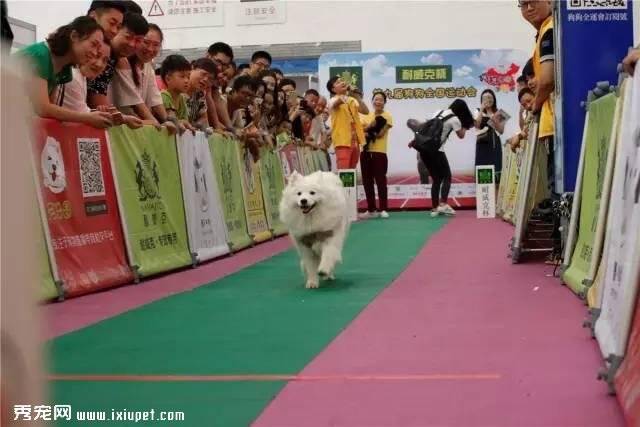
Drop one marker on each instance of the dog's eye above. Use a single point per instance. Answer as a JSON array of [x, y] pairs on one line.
[[312, 193], [299, 193]]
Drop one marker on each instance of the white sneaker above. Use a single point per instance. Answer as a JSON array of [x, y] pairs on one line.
[[368, 215], [384, 214], [445, 209], [434, 213]]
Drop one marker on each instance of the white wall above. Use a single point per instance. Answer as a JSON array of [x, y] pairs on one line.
[[380, 25]]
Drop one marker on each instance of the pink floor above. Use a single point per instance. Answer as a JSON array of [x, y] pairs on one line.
[[77, 313], [461, 338], [460, 309]]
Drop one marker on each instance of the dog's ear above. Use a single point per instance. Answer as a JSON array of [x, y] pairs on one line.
[[295, 176]]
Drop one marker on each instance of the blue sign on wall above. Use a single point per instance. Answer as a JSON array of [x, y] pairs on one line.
[[592, 37]]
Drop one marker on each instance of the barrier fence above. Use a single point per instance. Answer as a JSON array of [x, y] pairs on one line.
[[602, 251], [123, 205]]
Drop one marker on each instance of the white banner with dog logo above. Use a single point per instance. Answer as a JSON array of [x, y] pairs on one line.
[[205, 221]]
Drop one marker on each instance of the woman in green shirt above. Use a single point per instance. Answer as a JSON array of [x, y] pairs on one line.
[[77, 43]]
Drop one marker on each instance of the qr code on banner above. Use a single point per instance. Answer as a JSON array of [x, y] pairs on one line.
[[90, 167], [596, 4]]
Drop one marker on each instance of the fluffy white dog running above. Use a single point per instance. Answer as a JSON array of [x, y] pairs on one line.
[[314, 209]]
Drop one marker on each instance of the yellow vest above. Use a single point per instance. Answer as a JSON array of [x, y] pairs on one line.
[[344, 121], [546, 127]]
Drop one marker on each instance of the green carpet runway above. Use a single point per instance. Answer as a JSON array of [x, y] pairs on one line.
[[258, 321]]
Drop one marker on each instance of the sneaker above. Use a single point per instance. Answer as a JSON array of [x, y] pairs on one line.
[[434, 213], [445, 209], [384, 214], [368, 215]]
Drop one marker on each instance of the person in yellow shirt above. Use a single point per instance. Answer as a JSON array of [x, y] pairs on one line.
[[346, 129], [373, 159], [538, 13]]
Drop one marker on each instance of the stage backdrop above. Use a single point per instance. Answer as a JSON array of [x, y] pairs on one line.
[[417, 85]]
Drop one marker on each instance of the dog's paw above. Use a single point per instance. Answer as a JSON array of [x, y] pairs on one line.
[[326, 274], [312, 284]]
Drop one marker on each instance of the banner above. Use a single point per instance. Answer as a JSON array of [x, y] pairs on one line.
[[581, 28], [621, 280], [323, 161], [257, 225], [78, 202], [47, 289], [348, 178], [150, 198], [227, 172], [272, 180], [308, 165], [506, 164], [513, 180], [485, 192], [205, 222], [418, 85], [290, 160], [627, 379], [601, 112]]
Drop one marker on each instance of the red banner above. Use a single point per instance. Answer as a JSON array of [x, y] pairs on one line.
[[80, 206], [627, 381]]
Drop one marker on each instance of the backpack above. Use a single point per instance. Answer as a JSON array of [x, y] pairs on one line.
[[428, 138]]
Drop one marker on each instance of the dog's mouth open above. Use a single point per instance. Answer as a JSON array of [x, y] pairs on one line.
[[307, 208]]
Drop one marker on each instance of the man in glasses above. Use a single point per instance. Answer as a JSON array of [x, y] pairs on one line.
[[538, 14], [222, 55]]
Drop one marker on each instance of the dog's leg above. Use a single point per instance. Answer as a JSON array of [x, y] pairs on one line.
[[329, 258], [332, 253], [309, 262]]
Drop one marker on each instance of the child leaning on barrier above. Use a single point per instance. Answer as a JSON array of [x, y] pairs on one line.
[[175, 73], [525, 96]]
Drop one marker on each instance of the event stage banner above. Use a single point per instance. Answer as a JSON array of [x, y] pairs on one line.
[[78, 203], [418, 85], [150, 198]]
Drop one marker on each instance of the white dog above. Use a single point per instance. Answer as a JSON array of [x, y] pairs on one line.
[[314, 209], [52, 165]]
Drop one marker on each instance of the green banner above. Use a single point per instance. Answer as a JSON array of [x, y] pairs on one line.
[[599, 128], [539, 186], [47, 289], [226, 166], [254, 208], [511, 190], [424, 74], [145, 162], [308, 165], [272, 178], [324, 163]]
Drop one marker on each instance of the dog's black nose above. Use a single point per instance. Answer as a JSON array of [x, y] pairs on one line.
[[303, 202]]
